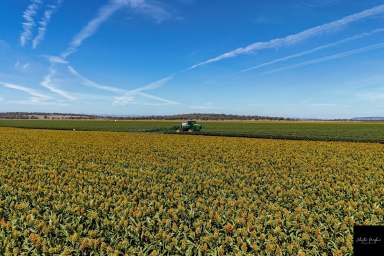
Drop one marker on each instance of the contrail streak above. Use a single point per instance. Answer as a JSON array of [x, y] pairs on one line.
[[43, 24], [48, 84], [329, 58], [346, 40], [29, 21], [24, 89], [295, 38], [104, 13], [127, 95]]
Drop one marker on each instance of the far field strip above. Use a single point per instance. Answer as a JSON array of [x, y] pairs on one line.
[[353, 131]]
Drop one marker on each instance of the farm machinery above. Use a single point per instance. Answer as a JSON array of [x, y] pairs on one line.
[[189, 126]]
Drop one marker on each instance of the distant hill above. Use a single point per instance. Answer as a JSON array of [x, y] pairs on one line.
[[195, 116]]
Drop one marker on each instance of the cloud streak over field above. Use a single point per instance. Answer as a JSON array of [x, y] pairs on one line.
[[295, 38], [124, 99], [126, 96], [153, 85], [85, 81], [43, 24], [329, 58], [36, 96], [48, 83], [323, 47], [29, 21], [106, 12]]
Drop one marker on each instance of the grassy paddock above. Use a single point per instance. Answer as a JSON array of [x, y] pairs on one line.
[[334, 131]]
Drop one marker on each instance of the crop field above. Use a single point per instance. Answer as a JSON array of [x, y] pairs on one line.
[[334, 131], [323, 131], [90, 125], [104, 193]]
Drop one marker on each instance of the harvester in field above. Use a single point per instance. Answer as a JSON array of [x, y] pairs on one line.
[[190, 126]]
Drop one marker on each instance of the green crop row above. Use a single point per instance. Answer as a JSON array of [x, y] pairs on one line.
[[327, 131]]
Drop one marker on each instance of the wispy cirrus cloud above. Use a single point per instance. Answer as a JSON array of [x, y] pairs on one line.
[[48, 83], [153, 9], [296, 38], [87, 82], [55, 59], [154, 85], [317, 49], [22, 66], [125, 96], [329, 58], [36, 96], [105, 12], [29, 21], [43, 24], [126, 99]]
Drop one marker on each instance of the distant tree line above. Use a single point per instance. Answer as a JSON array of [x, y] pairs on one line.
[[196, 116], [38, 115], [193, 116], [202, 116]]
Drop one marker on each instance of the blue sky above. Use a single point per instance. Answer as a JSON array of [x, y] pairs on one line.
[[294, 58]]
